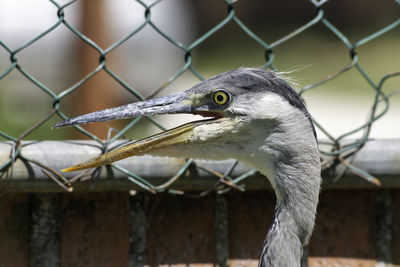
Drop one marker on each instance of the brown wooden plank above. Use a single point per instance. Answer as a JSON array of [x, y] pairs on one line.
[[345, 226], [179, 230], [250, 215], [396, 226], [14, 225], [348, 262], [95, 230]]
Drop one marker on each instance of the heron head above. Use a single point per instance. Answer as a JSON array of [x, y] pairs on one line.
[[232, 102]]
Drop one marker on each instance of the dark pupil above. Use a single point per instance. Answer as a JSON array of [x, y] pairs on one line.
[[220, 98]]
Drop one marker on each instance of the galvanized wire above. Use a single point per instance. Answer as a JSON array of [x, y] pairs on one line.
[[338, 150]]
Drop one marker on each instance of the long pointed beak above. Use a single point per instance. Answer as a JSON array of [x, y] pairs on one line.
[[163, 105], [172, 104]]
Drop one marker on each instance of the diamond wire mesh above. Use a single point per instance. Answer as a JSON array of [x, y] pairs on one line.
[[337, 152]]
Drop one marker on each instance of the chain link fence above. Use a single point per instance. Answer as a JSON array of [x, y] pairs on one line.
[[334, 149]]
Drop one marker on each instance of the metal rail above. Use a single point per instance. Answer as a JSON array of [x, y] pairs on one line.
[[381, 158]]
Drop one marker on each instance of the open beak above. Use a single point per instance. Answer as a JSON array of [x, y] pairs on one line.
[[172, 104]]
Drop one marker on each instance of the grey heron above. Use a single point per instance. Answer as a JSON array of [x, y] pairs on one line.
[[253, 116]]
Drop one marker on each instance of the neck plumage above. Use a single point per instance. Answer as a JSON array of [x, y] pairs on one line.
[[296, 183], [282, 246]]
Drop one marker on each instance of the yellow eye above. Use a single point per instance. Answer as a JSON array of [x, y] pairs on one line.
[[221, 97]]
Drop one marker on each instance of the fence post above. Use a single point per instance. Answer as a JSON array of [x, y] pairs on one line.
[[221, 231], [44, 231], [137, 230], [384, 215], [96, 92]]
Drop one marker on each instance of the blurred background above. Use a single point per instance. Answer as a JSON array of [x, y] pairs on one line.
[[65, 58], [146, 60]]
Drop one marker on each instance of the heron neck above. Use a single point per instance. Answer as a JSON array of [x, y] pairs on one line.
[[281, 247], [297, 190]]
